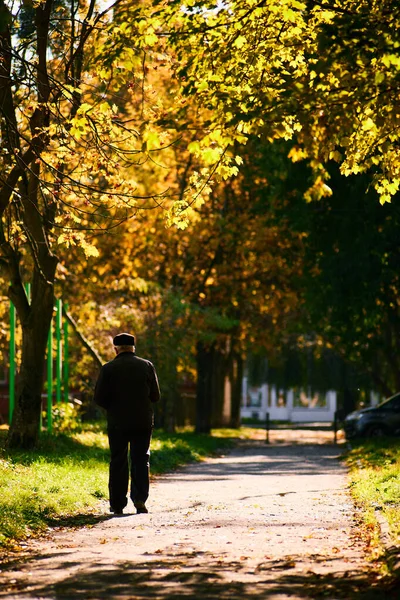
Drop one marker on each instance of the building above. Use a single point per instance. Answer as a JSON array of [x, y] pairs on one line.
[[292, 405]]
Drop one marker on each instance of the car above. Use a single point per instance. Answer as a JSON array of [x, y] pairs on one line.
[[375, 421]]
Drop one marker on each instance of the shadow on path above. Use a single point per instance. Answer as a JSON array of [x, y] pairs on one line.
[[197, 575], [261, 459], [80, 520]]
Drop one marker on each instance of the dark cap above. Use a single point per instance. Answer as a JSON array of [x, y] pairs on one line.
[[124, 339]]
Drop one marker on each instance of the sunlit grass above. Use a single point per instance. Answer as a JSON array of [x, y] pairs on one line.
[[244, 433], [375, 484], [61, 477]]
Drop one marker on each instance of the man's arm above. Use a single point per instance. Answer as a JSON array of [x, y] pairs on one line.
[[155, 393]]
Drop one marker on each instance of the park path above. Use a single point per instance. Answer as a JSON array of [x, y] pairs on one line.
[[264, 521]]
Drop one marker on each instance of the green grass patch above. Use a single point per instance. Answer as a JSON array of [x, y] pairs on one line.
[[375, 484], [244, 433], [63, 479]]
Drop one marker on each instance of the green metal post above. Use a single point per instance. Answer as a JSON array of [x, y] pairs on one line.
[[50, 379], [66, 357], [58, 350], [11, 404]]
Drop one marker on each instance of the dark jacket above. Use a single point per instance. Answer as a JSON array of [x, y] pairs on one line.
[[127, 386]]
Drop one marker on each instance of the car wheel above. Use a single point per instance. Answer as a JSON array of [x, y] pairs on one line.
[[376, 431]]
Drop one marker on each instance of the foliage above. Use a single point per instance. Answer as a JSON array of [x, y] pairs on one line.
[[125, 107], [350, 283], [70, 121], [323, 73], [335, 312], [375, 476], [228, 279], [65, 417]]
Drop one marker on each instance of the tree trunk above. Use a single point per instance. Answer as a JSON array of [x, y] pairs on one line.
[[35, 322], [236, 396], [348, 400], [169, 405], [218, 368], [204, 359], [170, 399]]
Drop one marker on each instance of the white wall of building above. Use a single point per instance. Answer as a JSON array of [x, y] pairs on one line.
[[257, 402]]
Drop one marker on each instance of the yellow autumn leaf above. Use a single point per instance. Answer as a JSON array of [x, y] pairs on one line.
[[240, 41]]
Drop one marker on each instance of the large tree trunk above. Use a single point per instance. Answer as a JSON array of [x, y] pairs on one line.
[[218, 369], [204, 399], [35, 321]]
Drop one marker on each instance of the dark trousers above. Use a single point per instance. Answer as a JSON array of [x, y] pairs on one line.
[[138, 443]]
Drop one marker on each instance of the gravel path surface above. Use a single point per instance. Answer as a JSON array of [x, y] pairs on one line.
[[264, 521]]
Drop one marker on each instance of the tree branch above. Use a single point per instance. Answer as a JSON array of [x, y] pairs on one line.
[[85, 342]]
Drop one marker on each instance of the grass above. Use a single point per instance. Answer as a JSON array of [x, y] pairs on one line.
[[375, 485], [64, 479]]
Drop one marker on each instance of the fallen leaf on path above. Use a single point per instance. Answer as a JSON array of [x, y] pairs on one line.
[[290, 564]]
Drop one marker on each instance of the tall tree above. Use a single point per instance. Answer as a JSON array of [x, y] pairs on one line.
[[69, 158]]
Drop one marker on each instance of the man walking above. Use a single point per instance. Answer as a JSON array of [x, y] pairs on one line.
[[127, 387]]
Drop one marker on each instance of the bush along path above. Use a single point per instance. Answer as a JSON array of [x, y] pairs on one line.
[[263, 521]]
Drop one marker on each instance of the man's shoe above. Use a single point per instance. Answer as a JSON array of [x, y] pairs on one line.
[[117, 511], [140, 507]]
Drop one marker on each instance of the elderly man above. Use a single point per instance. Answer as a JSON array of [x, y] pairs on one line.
[[126, 388]]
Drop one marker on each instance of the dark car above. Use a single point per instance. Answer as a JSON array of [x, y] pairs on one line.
[[383, 419]]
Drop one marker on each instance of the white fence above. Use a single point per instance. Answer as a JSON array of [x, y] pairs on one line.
[[295, 406]]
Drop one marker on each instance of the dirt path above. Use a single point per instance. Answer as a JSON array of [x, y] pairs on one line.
[[264, 521]]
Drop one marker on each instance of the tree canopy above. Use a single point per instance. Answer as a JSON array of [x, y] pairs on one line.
[[324, 73]]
